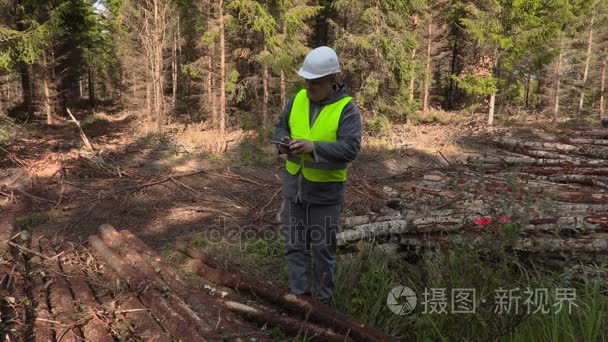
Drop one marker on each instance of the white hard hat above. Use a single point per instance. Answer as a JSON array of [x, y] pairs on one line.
[[320, 62]]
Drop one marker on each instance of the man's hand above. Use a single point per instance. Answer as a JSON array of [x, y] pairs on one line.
[[301, 146], [284, 149]]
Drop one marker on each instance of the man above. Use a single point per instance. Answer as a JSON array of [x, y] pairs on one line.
[[323, 127]]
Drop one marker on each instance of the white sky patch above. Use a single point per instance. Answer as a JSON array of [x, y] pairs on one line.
[[100, 7]]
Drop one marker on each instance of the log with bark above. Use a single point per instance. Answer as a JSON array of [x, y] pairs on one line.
[[93, 328], [585, 150], [42, 331], [17, 285], [318, 313], [601, 142], [515, 161], [129, 308], [292, 326], [161, 307], [132, 250], [214, 319], [61, 299]]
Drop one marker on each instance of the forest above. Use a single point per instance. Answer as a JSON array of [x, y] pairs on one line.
[[141, 194], [231, 64]]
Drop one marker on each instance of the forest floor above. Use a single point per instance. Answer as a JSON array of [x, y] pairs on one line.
[[48, 175], [52, 181], [165, 187]]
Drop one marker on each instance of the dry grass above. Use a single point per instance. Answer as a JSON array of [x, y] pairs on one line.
[[200, 138]]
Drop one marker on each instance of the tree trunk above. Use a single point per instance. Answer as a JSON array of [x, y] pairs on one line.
[[222, 78], [427, 73], [2, 106], [211, 93], [491, 111], [282, 88], [121, 87], [410, 96], [527, 92], [587, 61], [7, 88], [47, 91], [179, 86], [211, 87], [174, 69], [91, 87], [449, 104], [148, 101], [558, 71], [135, 85], [26, 89], [159, 17], [266, 97], [603, 86]]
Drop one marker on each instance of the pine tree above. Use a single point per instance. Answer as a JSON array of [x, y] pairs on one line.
[[376, 52], [506, 33]]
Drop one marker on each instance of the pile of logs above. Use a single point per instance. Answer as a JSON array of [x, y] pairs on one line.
[[543, 196], [120, 289]]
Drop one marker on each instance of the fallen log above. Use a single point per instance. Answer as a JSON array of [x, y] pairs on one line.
[[595, 243], [546, 154], [581, 197], [204, 304], [289, 325], [372, 230], [153, 258], [580, 179], [318, 313], [7, 227], [431, 221], [550, 171], [572, 209], [601, 142], [8, 316], [456, 226], [42, 332], [568, 225], [116, 241], [592, 244], [517, 145], [94, 329], [18, 301], [62, 307], [352, 221], [130, 308], [164, 269], [598, 134], [18, 285], [538, 161], [560, 192], [177, 326]]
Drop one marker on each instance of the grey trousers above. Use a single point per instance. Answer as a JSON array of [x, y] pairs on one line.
[[309, 231]]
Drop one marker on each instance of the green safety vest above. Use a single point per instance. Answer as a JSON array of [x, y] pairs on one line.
[[325, 128]]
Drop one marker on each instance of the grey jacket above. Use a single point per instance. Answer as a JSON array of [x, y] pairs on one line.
[[345, 149]]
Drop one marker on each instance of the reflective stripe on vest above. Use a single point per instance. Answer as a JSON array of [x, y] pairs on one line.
[[325, 128]]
